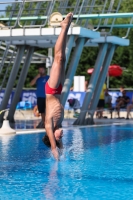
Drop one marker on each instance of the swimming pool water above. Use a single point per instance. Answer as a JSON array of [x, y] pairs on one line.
[[97, 164]]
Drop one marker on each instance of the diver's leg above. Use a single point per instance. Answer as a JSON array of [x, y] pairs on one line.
[[59, 54]]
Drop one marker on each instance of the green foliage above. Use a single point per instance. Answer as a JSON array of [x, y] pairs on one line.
[[87, 61], [122, 56]]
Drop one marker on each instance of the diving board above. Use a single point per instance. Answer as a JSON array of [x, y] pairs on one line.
[[110, 39], [45, 37]]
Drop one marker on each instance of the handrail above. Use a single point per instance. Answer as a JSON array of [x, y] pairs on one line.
[[115, 18], [4, 58], [128, 30], [84, 16], [103, 14], [11, 50], [7, 68], [80, 12], [46, 19], [16, 22], [116, 26], [95, 29], [20, 13], [21, 1]]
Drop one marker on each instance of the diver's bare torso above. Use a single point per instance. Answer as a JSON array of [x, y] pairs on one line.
[[54, 109]]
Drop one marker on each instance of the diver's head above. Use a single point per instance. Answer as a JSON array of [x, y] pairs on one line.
[[58, 133]]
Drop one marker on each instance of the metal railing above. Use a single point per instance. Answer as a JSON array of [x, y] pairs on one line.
[[101, 15], [7, 58]]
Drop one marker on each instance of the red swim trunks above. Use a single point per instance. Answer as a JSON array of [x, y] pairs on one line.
[[49, 90]]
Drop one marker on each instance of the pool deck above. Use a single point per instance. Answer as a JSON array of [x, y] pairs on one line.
[[26, 122], [28, 125]]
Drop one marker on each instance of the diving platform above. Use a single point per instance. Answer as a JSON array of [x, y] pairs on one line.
[[42, 37], [109, 39]]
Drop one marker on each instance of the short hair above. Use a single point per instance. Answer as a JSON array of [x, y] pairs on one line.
[[122, 86], [41, 66], [46, 141]]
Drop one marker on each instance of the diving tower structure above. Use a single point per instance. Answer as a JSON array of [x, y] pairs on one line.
[[28, 26]]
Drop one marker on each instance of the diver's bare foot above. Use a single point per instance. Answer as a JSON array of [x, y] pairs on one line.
[[67, 21]]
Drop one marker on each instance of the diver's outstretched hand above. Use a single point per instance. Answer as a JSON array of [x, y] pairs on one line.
[[55, 154]]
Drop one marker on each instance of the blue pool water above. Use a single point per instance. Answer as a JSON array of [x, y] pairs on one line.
[[97, 164]]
